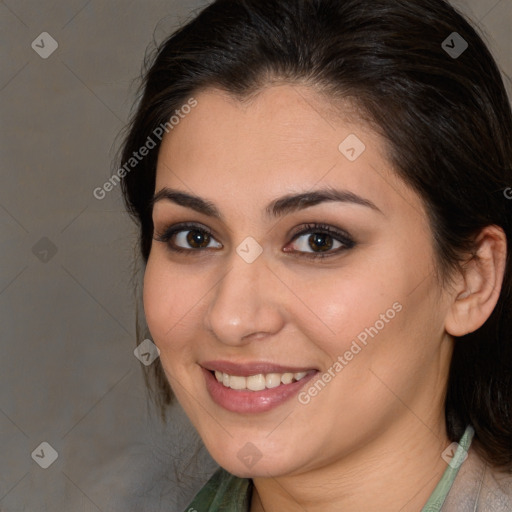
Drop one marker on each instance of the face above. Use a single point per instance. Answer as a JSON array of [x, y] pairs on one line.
[[321, 314]]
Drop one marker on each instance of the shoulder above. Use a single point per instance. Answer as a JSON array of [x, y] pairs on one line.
[[496, 490], [222, 492], [479, 487]]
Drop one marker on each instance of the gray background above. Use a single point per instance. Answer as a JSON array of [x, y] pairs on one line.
[[68, 375]]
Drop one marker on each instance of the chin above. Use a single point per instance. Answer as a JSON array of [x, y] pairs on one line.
[[249, 462]]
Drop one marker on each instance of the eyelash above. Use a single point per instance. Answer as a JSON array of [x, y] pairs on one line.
[[344, 238]]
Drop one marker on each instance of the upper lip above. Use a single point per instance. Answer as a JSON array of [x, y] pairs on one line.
[[252, 368]]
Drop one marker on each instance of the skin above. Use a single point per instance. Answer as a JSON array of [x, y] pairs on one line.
[[372, 438]]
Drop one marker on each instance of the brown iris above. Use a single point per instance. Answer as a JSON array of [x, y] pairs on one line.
[[198, 239], [320, 241]]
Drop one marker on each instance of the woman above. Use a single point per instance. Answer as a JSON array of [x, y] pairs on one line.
[[320, 187]]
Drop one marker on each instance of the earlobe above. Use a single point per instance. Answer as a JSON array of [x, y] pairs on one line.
[[477, 291]]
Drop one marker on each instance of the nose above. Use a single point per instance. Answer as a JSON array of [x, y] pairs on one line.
[[246, 303]]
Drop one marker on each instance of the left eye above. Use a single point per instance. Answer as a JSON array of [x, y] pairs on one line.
[[317, 242]]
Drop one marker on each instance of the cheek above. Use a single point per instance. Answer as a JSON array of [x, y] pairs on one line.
[[166, 306], [340, 306], [155, 299]]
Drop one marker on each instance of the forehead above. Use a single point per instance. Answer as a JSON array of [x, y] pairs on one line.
[[281, 121], [284, 139]]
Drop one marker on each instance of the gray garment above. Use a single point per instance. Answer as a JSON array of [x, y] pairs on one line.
[[479, 488]]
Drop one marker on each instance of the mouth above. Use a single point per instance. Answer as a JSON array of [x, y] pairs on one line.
[[259, 381], [254, 387]]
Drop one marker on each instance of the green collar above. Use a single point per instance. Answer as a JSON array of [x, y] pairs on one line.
[[225, 492], [436, 500]]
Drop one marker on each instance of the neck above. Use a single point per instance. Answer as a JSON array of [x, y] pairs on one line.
[[397, 471]]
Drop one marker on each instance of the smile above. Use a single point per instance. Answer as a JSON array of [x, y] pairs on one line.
[[258, 382], [253, 387]]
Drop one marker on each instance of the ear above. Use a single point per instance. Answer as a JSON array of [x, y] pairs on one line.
[[477, 288]]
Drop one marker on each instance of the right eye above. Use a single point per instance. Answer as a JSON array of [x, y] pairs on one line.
[[187, 238]]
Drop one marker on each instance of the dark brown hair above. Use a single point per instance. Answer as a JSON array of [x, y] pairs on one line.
[[445, 117]]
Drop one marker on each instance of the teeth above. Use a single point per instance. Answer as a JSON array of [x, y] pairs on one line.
[[258, 382], [272, 380], [236, 382], [286, 378], [255, 382]]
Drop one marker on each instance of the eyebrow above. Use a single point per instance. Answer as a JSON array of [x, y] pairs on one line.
[[277, 208]]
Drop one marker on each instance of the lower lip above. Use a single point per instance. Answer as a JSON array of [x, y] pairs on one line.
[[251, 401]]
